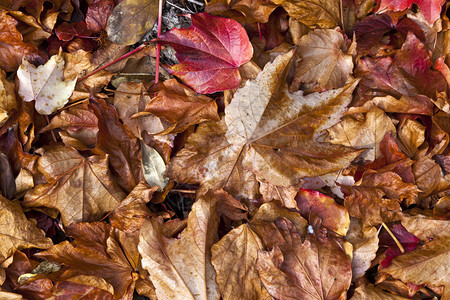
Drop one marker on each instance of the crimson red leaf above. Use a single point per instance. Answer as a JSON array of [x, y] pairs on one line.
[[431, 9], [409, 242], [67, 32], [210, 52]]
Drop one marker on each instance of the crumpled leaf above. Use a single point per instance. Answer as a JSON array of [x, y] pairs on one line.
[[255, 11], [45, 84], [318, 268], [375, 194], [82, 286], [82, 189], [98, 13], [181, 268], [431, 9], [322, 210], [98, 250], [364, 239], [428, 264], [7, 98], [426, 226], [210, 53], [17, 232], [408, 241], [370, 292], [130, 20], [324, 13], [324, 60], [180, 105], [269, 132], [153, 167], [362, 134]]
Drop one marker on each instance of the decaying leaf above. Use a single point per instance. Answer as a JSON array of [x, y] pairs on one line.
[[45, 84], [17, 232], [269, 131], [81, 188], [370, 292], [130, 20], [181, 268], [7, 97], [318, 268], [210, 53]]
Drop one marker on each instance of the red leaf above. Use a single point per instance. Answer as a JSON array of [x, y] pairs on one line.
[[210, 52], [98, 14], [431, 9], [67, 32], [409, 242]]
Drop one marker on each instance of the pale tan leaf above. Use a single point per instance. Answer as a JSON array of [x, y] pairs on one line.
[[425, 226], [323, 59], [364, 239], [45, 84], [370, 292], [153, 167], [181, 268], [7, 97], [411, 135], [82, 189], [284, 194], [17, 232]]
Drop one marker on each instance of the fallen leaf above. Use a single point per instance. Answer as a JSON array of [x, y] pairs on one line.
[[428, 264], [97, 250], [318, 268], [153, 167], [362, 134], [66, 32], [7, 98], [411, 135], [324, 60], [323, 13], [82, 189], [407, 105], [210, 53], [425, 225], [7, 182], [90, 287], [370, 292], [268, 132], [322, 210], [364, 239], [45, 84], [284, 194], [180, 105], [130, 20], [180, 268], [408, 241], [98, 13], [431, 9], [376, 194], [17, 232], [254, 11]]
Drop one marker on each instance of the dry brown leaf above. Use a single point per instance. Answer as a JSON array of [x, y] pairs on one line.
[[17, 232], [7, 98], [324, 13], [407, 105], [181, 268], [89, 287], [411, 135], [284, 194], [318, 268], [323, 60], [425, 226], [429, 176], [427, 264], [268, 131], [322, 210], [376, 194], [362, 134], [132, 211], [370, 292], [98, 250], [364, 239], [180, 105], [81, 188]]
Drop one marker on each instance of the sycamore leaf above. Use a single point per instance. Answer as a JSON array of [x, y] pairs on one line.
[[364, 240], [210, 53], [82, 189], [269, 132], [318, 268], [324, 13], [130, 20], [323, 60], [17, 232], [362, 134], [181, 268], [45, 84], [427, 264], [431, 9], [98, 250]]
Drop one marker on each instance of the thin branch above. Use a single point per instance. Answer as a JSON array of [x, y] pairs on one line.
[[402, 250]]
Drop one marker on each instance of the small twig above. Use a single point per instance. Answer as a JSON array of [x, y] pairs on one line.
[[158, 45], [113, 62], [259, 31], [342, 15], [180, 8], [196, 2], [53, 134], [402, 250], [184, 191]]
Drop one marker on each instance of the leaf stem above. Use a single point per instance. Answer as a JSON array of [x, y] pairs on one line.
[[158, 46], [113, 62], [399, 245], [53, 134]]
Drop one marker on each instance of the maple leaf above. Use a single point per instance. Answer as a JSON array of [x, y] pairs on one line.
[[17, 232], [81, 188], [210, 53], [323, 60], [270, 132], [431, 9], [45, 84], [181, 268], [98, 250], [318, 268]]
